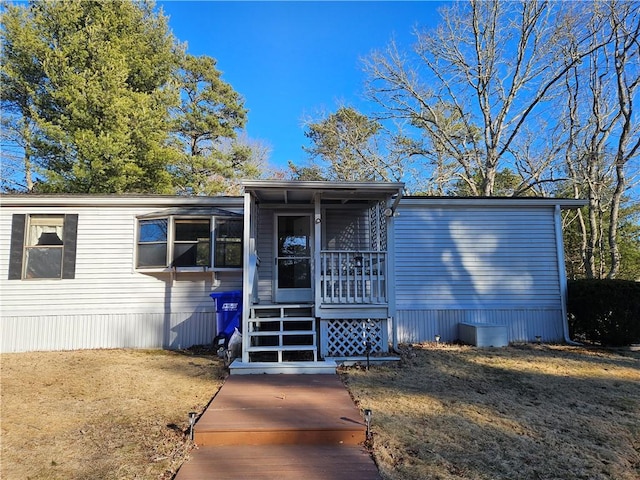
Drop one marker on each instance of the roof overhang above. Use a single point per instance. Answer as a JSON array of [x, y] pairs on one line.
[[196, 211], [301, 192], [160, 201], [564, 203]]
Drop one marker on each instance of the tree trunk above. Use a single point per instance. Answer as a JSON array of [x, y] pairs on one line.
[[614, 250]]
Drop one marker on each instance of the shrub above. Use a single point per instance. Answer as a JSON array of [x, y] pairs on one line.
[[604, 311]]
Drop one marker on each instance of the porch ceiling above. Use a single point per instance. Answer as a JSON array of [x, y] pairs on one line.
[[269, 191]]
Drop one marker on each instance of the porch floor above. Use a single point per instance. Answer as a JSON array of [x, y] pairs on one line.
[[280, 427]]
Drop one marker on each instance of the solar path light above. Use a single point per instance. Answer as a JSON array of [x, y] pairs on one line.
[[367, 419], [192, 422]]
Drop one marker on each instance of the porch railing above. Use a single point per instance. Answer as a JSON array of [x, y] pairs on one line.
[[353, 277]]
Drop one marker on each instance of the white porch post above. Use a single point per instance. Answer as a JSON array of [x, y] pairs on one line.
[[249, 246], [317, 245]]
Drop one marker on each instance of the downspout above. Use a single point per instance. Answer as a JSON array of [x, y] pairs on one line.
[[391, 254], [562, 274]]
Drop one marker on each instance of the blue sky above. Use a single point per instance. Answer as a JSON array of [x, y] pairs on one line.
[[294, 60]]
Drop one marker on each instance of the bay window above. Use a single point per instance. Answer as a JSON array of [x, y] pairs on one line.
[[186, 241]]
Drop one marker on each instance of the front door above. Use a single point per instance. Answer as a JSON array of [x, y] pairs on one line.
[[294, 252]]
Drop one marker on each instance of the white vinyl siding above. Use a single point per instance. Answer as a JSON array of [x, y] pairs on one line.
[[108, 299], [476, 264]]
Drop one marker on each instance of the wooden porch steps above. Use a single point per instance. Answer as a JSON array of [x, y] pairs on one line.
[[281, 409], [281, 333], [292, 368], [281, 462], [280, 427]]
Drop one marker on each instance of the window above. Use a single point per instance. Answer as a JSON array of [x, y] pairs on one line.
[[152, 243], [192, 244], [228, 243], [43, 246], [181, 241]]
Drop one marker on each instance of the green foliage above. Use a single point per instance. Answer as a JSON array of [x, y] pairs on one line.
[[22, 78], [506, 184], [604, 311], [311, 172], [100, 92], [344, 140], [102, 99], [206, 124], [628, 240]]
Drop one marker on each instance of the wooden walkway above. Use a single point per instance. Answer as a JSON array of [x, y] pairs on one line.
[[280, 427]]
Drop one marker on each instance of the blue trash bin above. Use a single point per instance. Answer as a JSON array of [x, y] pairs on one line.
[[228, 312]]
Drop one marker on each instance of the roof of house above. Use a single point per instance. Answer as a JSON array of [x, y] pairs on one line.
[[296, 191], [284, 191]]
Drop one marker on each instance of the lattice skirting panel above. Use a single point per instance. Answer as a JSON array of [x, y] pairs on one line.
[[349, 337]]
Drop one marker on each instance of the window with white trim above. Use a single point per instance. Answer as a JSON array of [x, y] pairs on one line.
[[192, 244], [185, 241], [152, 242], [228, 250]]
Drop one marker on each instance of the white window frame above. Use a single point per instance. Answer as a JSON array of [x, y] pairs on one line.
[[171, 241], [213, 244]]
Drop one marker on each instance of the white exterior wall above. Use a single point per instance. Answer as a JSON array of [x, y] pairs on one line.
[[479, 264], [108, 304], [455, 261]]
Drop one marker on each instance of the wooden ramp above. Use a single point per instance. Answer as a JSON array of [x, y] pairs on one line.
[[280, 427]]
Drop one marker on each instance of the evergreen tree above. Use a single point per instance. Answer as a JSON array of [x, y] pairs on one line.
[[206, 125], [22, 80], [350, 144], [100, 94]]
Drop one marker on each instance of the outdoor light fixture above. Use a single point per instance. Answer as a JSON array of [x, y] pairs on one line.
[[192, 422], [437, 337], [367, 420]]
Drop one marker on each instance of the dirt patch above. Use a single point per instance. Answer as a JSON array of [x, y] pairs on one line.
[[108, 414], [529, 412]]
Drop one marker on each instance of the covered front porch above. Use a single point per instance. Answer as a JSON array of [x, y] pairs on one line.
[[318, 277]]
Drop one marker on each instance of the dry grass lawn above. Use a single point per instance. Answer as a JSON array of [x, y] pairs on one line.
[[443, 412], [528, 412], [101, 414]]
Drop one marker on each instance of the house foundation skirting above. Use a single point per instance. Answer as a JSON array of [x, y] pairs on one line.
[[349, 337], [522, 324], [85, 331]]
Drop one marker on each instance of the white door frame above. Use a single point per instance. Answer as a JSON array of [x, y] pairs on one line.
[[293, 295]]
